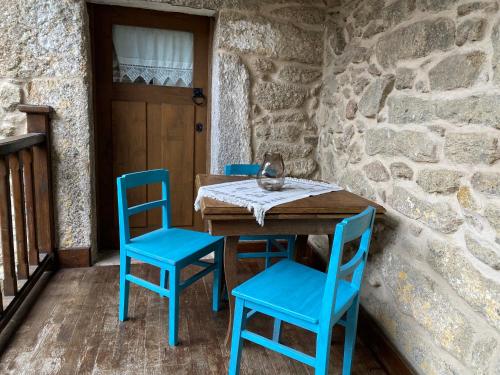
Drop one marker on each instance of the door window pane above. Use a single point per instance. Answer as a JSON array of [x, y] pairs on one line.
[[152, 56]]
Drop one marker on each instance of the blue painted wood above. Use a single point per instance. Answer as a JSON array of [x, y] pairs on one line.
[[308, 298], [241, 169], [170, 249], [271, 241]]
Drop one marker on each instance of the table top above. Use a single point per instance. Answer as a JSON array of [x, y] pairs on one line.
[[330, 205]]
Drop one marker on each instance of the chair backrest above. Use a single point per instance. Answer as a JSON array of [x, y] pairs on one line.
[[355, 227], [132, 180], [241, 169]]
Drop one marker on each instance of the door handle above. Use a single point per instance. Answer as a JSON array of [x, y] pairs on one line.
[[198, 97]]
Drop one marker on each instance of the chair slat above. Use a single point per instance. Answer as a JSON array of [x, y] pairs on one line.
[[355, 226], [9, 269], [134, 210], [19, 215], [272, 345], [349, 267], [133, 180], [26, 159]]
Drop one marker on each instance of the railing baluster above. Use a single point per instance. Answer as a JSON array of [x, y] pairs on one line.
[[33, 258], [18, 200], [9, 269], [38, 122]]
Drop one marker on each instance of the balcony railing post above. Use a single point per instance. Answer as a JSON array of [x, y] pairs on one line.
[[38, 121], [9, 268]]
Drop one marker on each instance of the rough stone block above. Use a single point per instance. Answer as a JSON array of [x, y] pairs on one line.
[[457, 71], [374, 28], [405, 78], [275, 96], [263, 66], [298, 74], [417, 146], [10, 96], [230, 125], [376, 171], [301, 14], [300, 168], [466, 199], [373, 99], [477, 109], [442, 181], [351, 109], [398, 11], [71, 161], [487, 183], [416, 40], [352, 54], [471, 148], [486, 6], [337, 40], [265, 37], [401, 170], [359, 84], [367, 11], [439, 216], [289, 151], [481, 292], [418, 296], [355, 182], [492, 214], [484, 251], [495, 40], [470, 30], [43, 40], [434, 5]]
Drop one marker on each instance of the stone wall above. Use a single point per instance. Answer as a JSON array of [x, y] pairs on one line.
[[267, 75], [44, 60], [410, 117]]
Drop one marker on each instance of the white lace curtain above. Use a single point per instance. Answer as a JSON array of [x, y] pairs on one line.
[[153, 56]]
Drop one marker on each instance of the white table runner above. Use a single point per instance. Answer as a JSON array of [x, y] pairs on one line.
[[248, 194]]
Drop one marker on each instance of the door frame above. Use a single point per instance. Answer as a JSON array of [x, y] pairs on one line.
[[102, 118]]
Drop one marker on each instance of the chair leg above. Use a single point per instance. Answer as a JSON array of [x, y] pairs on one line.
[[124, 288], [163, 279], [173, 306], [236, 340], [269, 248], [350, 336], [291, 248], [277, 330], [216, 287], [323, 342]]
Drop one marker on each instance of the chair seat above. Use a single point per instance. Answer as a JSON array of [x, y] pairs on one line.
[[171, 245], [293, 289]]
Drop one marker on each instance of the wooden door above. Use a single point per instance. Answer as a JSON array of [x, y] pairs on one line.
[[141, 125]]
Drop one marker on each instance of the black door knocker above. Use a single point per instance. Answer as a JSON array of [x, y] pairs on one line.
[[198, 97]]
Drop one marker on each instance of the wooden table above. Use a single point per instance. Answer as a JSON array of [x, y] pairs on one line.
[[312, 215]]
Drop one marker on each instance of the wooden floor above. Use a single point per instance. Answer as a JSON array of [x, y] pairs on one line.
[[73, 329]]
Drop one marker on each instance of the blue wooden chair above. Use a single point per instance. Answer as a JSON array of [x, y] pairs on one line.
[[169, 249], [272, 242], [308, 298]]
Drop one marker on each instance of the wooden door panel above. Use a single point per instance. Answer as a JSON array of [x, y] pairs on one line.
[[141, 126], [171, 146], [128, 123]]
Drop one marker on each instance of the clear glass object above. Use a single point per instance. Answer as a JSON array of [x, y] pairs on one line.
[[271, 175], [152, 56]]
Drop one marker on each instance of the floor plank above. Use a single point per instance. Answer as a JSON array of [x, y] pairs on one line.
[[73, 329]]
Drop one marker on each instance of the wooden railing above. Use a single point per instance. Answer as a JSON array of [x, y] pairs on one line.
[[26, 212]]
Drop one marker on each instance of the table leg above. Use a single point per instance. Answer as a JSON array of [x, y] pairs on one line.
[[301, 254], [231, 276]]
